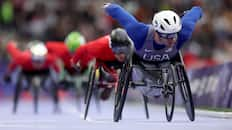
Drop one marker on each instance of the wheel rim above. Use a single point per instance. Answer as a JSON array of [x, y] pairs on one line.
[[187, 95], [89, 93], [121, 93], [90, 78], [189, 107]]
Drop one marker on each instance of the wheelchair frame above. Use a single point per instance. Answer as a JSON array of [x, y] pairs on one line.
[[179, 78]]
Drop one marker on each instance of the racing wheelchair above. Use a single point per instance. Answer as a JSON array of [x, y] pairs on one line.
[[99, 77], [35, 81], [166, 75]]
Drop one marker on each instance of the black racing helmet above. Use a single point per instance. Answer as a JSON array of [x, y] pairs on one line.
[[120, 41]]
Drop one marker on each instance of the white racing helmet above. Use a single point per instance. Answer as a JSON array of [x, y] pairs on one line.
[[167, 22], [38, 51]]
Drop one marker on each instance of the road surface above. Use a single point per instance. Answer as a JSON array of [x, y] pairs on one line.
[[133, 118]]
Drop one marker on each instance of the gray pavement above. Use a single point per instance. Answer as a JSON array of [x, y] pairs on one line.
[[133, 118]]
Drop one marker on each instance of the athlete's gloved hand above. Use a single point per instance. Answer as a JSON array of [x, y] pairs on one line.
[[76, 66]]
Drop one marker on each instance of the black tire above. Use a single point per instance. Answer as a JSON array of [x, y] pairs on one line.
[[169, 98], [90, 91], [121, 92], [35, 90], [186, 94], [87, 89], [118, 95], [18, 89], [145, 100], [169, 94]]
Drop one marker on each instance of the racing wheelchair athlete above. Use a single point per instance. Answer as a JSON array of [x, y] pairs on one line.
[[105, 56], [37, 68], [157, 45]]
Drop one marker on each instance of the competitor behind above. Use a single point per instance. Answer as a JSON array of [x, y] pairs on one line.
[[69, 78], [34, 61], [109, 51]]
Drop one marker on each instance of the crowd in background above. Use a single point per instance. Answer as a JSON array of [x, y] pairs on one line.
[[24, 20]]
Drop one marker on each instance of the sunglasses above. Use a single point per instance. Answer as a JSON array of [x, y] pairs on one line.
[[121, 49], [168, 36]]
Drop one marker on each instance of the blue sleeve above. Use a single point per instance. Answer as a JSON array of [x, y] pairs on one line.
[[137, 31], [189, 21]]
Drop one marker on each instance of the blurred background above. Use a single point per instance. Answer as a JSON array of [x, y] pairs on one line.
[[25, 20]]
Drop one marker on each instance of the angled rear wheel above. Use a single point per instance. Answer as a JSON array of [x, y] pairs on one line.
[[89, 91], [121, 91], [186, 94]]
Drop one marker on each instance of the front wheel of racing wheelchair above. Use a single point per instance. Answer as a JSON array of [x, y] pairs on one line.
[[121, 90], [174, 75], [185, 90], [89, 90], [99, 78]]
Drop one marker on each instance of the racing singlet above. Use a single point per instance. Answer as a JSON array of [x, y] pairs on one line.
[[149, 53]]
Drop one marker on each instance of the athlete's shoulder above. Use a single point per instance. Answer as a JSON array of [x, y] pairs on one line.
[[100, 40], [55, 44]]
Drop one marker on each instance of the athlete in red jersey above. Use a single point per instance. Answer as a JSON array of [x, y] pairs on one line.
[[108, 48], [61, 51], [70, 79], [109, 51], [64, 50], [28, 62], [33, 62]]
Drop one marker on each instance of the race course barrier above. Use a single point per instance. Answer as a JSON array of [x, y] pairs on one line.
[[212, 86]]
